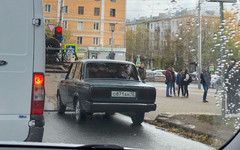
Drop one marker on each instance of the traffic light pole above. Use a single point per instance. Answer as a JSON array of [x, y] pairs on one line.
[[222, 57], [199, 44], [61, 14]]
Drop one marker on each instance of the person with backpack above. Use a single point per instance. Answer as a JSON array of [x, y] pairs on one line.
[[205, 80], [186, 80], [179, 82]]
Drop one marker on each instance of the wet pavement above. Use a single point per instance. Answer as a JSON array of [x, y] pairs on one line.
[[115, 130]]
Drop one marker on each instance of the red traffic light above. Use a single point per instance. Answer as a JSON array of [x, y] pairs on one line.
[[59, 29]]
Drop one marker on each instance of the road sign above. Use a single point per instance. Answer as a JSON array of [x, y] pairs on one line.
[[51, 27], [211, 68], [62, 39], [71, 46], [211, 64], [138, 63]]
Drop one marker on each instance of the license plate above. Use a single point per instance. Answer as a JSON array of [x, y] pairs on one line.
[[123, 94]]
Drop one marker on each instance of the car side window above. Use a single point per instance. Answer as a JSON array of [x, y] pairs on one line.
[[78, 71], [72, 71]]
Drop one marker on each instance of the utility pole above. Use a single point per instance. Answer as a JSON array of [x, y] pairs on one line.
[[222, 55], [61, 14], [112, 40], [199, 68]]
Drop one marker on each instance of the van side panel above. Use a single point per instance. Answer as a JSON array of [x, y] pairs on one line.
[[17, 47], [39, 44]]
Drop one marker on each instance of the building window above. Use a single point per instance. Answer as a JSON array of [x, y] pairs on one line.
[[96, 26], [112, 26], [80, 25], [65, 24], [151, 25], [96, 11], [47, 8], [112, 12], [79, 40], [161, 34], [47, 21], [65, 9], [97, 0], [80, 10], [113, 0], [95, 41]]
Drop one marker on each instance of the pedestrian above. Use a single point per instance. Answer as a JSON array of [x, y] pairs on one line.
[[172, 87], [185, 82], [179, 82], [218, 82], [168, 81], [142, 72], [205, 81]]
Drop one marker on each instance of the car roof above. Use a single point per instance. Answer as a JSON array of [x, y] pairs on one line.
[[104, 61]]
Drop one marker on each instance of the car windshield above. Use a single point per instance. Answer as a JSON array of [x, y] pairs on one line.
[[145, 74], [112, 71]]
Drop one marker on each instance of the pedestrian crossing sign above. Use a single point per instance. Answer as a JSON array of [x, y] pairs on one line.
[[138, 63], [211, 68]]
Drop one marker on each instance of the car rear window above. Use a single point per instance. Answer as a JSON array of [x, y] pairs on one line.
[[111, 71]]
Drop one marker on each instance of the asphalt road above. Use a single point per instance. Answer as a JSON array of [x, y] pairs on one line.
[[116, 130]]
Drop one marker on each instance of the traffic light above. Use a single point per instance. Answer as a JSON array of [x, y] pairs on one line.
[[58, 33]]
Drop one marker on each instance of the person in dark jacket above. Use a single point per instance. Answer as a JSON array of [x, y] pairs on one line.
[[185, 83], [205, 80], [172, 87], [169, 78], [179, 82], [142, 72]]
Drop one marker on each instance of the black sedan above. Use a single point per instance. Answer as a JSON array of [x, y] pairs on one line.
[[107, 86]]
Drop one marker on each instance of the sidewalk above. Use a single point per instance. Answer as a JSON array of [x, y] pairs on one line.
[[191, 105]]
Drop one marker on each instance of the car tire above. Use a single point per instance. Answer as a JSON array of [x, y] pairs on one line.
[[60, 107], [137, 118], [79, 113]]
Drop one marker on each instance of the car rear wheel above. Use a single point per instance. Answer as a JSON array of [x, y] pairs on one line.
[[137, 118], [60, 107], [79, 113]]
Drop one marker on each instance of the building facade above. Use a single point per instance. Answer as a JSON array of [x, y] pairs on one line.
[[91, 23], [173, 38]]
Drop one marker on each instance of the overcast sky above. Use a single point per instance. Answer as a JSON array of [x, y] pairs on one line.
[[138, 8]]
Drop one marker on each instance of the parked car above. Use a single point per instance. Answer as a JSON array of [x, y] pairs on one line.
[[150, 75], [159, 76], [22, 70], [105, 86]]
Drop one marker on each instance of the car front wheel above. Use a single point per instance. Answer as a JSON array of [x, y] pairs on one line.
[[60, 107], [137, 118], [79, 113]]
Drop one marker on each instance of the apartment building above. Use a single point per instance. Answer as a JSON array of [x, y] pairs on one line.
[[176, 32], [92, 23]]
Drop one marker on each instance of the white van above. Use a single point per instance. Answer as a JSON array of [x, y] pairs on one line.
[[22, 66]]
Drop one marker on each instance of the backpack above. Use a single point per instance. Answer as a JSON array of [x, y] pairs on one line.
[[190, 79]]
